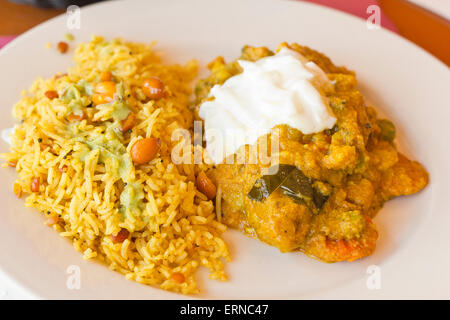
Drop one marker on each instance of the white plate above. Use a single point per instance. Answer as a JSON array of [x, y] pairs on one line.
[[403, 81]]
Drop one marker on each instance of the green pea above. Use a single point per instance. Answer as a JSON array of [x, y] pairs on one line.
[[387, 130]]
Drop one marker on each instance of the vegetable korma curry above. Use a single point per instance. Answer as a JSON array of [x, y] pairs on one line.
[[329, 184]]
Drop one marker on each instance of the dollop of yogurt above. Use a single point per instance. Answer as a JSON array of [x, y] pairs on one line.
[[284, 88]]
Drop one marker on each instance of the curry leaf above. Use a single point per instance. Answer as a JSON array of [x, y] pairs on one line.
[[267, 184], [319, 199], [298, 184], [293, 183]]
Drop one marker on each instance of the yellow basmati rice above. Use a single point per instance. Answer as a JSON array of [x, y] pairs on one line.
[[176, 230]]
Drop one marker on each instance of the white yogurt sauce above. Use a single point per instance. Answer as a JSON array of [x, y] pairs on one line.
[[280, 89]]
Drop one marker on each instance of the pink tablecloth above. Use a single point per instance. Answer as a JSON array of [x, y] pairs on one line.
[[355, 7], [5, 39]]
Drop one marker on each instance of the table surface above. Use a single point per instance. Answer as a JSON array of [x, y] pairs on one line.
[[16, 18]]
